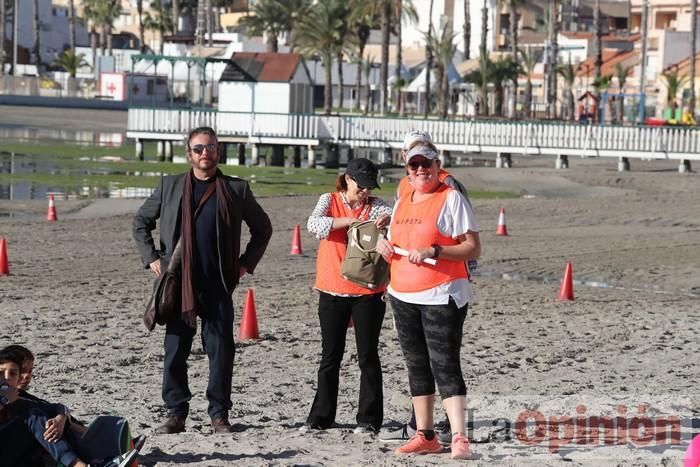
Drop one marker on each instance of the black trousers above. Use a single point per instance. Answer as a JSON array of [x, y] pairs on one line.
[[430, 337], [216, 315], [367, 313]]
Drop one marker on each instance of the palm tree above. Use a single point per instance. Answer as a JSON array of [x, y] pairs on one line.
[[361, 18], [37, 34], [528, 61], [693, 38], [71, 23], [103, 12], [367, 70], [265, 20], [399, 86], [317, 34], [484, 29], [599, 85], [403, 10], [3, 17], [673, 83], [598, 43], [70, 62], [502, 71], [568, 73], [428, 60], [513, 10], [466, 31], [553, 53], [481, 78], [273, 18], [210, 22], [621, 73], [643, 60], [344, 40], [385, 15], [444, 49], [158, 19], [139, 10]]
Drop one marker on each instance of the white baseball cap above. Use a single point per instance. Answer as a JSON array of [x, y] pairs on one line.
[[422, 150], [416, 135]]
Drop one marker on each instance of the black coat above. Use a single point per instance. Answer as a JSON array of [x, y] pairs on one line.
[[165, 203]]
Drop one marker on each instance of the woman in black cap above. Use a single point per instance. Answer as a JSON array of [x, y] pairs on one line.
[[341, 300]]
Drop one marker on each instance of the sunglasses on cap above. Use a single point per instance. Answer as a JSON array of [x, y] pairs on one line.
[[416, 162], [199, 148]]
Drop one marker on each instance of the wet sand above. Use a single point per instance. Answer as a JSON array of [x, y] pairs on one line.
[[77, 290]]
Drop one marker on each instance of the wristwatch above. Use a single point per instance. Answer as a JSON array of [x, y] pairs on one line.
[[436, 250]]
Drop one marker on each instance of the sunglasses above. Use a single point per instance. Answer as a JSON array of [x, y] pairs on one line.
[[199, 148], [414, 163]]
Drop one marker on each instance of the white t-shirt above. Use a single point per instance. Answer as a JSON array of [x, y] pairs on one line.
[[455, 219]]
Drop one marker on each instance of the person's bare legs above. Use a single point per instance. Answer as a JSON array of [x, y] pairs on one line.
[[423, 405], [454, 406]]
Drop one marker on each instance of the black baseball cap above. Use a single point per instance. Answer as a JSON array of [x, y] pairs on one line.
[[364, 172]]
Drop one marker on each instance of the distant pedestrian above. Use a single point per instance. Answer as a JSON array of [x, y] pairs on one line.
[[203, 210]]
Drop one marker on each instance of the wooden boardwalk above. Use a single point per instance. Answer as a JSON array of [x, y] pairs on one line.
[[506, 138]]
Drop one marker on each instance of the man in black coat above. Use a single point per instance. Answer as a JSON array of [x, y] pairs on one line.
[[203, 210]]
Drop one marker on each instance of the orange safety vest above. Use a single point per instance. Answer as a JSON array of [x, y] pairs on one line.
[[406, 187], [331, 252], [414, 225]]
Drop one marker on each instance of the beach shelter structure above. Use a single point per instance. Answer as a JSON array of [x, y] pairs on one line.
[[266, 83]]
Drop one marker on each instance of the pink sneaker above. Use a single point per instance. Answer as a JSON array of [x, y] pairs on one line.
[[418, 444], [460, 447]]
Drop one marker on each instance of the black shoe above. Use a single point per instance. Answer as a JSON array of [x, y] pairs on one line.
[[221, 425], [399, 435], [174, 424]]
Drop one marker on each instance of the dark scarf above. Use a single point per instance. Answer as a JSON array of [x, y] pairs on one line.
[[224, 217]]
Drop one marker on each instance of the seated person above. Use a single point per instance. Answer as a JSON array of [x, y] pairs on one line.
[[26, 425], [103, 431]]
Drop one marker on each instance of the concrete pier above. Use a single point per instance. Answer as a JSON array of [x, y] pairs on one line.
[[255, 154], [139, 149], [296, 157], [623, 164], [160, 151], [684, 166], [503, 160], [562, 162], [311, 157], [168, 150]]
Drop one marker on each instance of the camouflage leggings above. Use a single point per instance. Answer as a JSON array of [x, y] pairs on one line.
[[431, 338]]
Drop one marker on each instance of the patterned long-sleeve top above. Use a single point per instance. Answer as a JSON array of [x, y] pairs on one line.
[[320, 222]]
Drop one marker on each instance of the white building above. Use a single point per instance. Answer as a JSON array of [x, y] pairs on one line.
[[54, 31]]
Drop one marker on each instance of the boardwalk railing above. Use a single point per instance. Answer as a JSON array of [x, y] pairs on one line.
[[561, 139]]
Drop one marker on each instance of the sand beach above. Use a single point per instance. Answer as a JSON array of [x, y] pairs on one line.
[[626, 349]]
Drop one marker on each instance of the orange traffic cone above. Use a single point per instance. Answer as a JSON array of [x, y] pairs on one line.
[[4, 266], [567, 284], [248, 328], [296, 242], [51, 215], [502, 229]]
